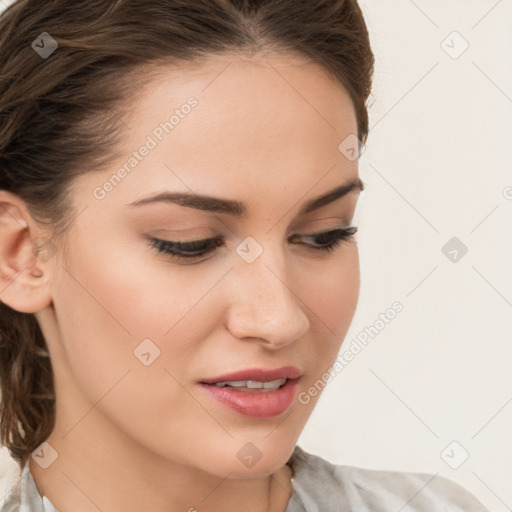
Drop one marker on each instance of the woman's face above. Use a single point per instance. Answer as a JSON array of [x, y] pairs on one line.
[[134, 332]]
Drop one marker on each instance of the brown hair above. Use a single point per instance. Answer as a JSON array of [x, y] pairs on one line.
[[58, 120]]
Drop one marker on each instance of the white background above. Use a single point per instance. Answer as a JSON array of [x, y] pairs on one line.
[[437, 163], [438, 158]]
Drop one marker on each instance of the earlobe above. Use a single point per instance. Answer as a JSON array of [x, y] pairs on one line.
[[23, 275]]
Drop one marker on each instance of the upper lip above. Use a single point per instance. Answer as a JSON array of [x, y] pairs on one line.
[[258, 374]]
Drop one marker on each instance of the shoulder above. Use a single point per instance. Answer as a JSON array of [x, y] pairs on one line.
[[10, 489], [321, 485], [20, 492]]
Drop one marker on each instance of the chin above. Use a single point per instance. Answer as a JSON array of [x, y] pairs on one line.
[[242, 458], [258, 458]]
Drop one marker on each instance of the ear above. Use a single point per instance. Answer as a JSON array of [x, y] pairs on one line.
[[24, 251]]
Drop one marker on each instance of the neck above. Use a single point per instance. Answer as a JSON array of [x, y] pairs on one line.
[[100, 468]]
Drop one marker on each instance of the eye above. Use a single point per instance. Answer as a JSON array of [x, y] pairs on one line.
[[185, 250], [329, 240], [325, 241]]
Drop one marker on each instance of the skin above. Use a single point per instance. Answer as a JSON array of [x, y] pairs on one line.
[[133, 437]]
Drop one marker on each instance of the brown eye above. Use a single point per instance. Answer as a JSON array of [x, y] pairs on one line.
[[329, 240], [194, 249]]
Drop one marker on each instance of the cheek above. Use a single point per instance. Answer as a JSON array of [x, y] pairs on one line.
[[333, 293], [333, 298], [112, 298], [105, 306], [127, 290]]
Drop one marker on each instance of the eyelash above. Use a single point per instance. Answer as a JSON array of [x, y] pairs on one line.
[[178, 249]]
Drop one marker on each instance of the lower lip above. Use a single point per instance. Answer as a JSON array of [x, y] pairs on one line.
[[263, 404]]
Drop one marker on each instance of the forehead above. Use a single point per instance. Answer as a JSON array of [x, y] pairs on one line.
[[234, 86], [256, 124]]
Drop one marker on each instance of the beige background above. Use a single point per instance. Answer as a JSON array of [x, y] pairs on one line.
[[437, 166], [438, 160]]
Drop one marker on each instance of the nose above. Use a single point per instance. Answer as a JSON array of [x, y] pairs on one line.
[[264, 306]]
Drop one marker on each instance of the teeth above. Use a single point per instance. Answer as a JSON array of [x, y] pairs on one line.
[[274, 384], [233, 383], [252, 384]]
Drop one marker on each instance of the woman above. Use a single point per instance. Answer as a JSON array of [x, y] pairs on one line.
[[178, 265]]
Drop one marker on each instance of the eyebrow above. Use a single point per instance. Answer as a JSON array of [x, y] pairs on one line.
[[238, 209]]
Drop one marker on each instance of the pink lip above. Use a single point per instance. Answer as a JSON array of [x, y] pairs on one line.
[[261, 404], [261, 374]]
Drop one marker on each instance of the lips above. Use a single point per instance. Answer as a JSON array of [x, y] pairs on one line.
[[257, 374], [244, 393]]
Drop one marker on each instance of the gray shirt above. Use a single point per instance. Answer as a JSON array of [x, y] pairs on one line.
[[319, 486]]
